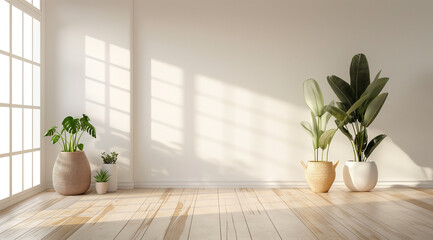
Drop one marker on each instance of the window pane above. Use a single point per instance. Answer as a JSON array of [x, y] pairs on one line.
[[4, 26], [37, 4], [17, 174], [17, 31], [4, 78], [36, 41], [17, 81], [36, 128], [36, 168], [4, 177], [28, 128], [29, 1], [36, 86], [27, 36], [17, 129], [27, 83], [28, 171], [4, 130]]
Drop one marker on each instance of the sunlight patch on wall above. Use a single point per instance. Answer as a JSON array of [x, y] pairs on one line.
[[108, 97], [237, 127], [167, 105]]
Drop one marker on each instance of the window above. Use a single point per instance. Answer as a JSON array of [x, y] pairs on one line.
[[20, 84]]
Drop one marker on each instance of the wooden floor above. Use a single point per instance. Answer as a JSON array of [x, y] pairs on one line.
[[397, 213]]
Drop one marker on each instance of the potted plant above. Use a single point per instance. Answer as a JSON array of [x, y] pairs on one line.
[[366, 101], [71, 171], [320, 174], [110, 166], [102, 177]]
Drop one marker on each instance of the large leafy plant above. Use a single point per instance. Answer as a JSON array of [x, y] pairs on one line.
[[360, 103], [319, 117], [73, 129], [109, 158]]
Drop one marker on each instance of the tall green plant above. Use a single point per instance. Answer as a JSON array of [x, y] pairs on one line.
[[319, 117], [360, 103], [72, 131]]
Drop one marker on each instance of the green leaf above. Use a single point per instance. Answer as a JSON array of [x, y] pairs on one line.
[[316, 133], [313, 97], [55, 139], [373, 144], [345, 131], [342, 106], [342, 89], [361, 140], [324, 119], [373, 90], [50, 131], [326, 138], [359, 74], [86, 126], [337, 113], [374, 108], [307, 127], [357, 104], [81, 146], [71, 125]]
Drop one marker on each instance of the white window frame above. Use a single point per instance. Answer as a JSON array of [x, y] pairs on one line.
[[37, 14]]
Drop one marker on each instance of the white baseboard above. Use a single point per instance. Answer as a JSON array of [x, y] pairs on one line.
[[266, 184], [120, 185]]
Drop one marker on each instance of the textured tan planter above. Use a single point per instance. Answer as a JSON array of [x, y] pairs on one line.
[[101, 187], [71, 173], [320, 175]]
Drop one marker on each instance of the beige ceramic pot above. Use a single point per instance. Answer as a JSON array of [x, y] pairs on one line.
[[101, 187], [71, 173], [320, 175]]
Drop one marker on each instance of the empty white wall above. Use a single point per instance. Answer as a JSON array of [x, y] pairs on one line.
[[217, 96], [88, 70]]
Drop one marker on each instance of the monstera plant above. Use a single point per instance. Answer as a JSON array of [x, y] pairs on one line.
[[71, 171], [73, 129], [365, 100]]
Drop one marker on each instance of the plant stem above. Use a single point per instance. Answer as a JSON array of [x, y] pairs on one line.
[[327, 151], [322, 154]]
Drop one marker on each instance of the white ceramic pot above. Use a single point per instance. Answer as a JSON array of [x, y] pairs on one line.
[[112, 181], [360, 176], [101, 187]]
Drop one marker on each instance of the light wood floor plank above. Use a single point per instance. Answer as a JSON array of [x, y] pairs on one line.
[[322, 224], [258, 221], [289, 226], [232, 221], [143, 217], [19, 212], [386, 211], [88, 216], [206, 223], [342, 215], [395, 213], [180, 223]]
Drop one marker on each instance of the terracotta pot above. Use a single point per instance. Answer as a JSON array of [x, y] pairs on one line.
[[360, 176], [112, 181], [101, 187], [71, 173], [320, 175]]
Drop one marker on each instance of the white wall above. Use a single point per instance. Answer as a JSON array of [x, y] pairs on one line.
[[217, 84], [88, 70]]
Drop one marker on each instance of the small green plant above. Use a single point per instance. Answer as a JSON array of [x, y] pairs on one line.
[[72, 131], [321, 137], [102, 176], [360, 103], [109, 159]]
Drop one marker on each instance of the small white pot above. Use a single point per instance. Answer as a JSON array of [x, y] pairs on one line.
[[360, 176], [112, 180], [101, 187]]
